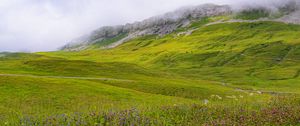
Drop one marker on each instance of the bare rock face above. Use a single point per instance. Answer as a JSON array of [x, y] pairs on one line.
[[158, 25], [291, 11], [293, 18], [169, 22]]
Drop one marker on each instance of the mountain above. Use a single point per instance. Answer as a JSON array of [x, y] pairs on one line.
[[202, 65], [112, 36], [245, 47]]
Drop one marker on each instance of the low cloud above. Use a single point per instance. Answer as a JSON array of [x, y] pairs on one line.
[[45, 25]]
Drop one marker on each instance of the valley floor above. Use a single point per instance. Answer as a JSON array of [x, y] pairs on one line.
[[242, 73], [123, 94]]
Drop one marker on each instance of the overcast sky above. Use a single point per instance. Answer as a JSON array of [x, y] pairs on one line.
[[45, 25]]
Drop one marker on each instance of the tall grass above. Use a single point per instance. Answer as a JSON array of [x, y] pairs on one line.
[[281, 110]]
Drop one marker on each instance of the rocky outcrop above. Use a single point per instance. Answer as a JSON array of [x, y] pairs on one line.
[[293, 18], [169, 22], [159, 25]]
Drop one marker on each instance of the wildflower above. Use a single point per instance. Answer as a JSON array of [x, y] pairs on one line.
[[219, 97], [6, 123], [259, 92], [241, 96], [205, 101], [251, 94], [232, 97], [175, 105], [216, 96]]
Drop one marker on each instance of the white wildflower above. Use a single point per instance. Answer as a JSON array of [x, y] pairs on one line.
[[219, 97], [205, 101], [232, 97]]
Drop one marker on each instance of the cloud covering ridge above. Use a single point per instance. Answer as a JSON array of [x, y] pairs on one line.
[[45, 25]]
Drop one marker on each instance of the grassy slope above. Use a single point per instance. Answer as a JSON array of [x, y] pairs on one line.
[[260, 55], [174, 69], [108, 41]]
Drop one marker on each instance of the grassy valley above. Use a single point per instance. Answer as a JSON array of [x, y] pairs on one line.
[[225, 73]]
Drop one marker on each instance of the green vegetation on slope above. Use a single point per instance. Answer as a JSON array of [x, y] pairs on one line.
[[253, 14], [178, 78], [108, 41], [225, 52]]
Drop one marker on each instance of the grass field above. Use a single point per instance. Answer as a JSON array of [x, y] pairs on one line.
[[221, 74]]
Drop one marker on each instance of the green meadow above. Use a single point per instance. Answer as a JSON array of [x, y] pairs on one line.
[[221, 74]]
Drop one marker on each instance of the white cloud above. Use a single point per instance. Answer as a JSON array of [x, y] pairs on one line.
[[43, 25]]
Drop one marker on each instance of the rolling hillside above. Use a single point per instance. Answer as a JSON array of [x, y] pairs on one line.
[[221, 69]]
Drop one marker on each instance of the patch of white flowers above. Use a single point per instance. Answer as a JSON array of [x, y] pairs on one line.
[[216, 96], [205, 101]]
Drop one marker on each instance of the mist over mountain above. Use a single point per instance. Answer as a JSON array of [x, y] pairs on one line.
[[150, 62], [161, 25], [30, 25], [283, 11]]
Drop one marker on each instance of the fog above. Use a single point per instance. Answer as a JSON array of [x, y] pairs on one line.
[[45, 25]]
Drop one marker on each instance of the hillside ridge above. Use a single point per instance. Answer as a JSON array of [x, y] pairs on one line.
[[112, 36]]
